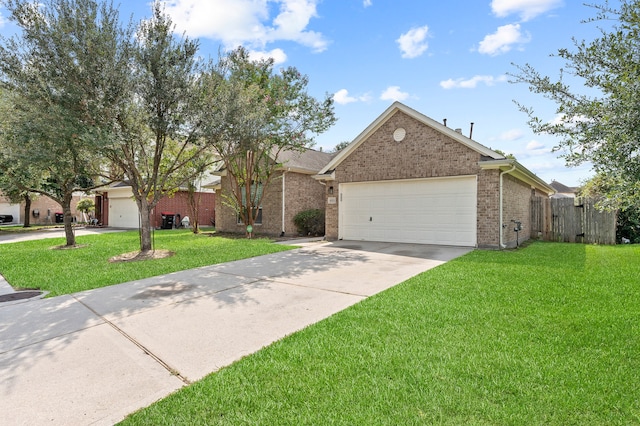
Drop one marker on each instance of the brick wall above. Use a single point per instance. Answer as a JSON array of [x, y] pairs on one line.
[[179, 204], [516, 206], [302, 192], [424, 153], [46, 205], [488, 208]]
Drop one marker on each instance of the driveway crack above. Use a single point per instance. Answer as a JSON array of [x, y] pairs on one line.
[[142, 347]]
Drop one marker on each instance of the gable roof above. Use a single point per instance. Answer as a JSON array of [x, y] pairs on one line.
[[489, 159], [400, 107], [308, 161], [563, 189]]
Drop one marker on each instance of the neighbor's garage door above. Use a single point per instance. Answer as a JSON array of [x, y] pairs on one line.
[[425, 211], [123, 213]]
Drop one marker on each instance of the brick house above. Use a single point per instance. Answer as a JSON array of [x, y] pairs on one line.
[[408, 178], [116, 207], [43, 209], [291, 191]]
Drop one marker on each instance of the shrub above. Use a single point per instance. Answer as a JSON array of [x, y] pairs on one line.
[[629, 225], [310, 222]]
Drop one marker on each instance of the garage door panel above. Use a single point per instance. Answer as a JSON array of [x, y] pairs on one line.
[[123, 213], [428, 211]]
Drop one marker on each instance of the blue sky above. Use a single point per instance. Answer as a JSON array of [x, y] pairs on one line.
[[444, 59]]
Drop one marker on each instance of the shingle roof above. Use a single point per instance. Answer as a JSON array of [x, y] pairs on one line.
[[563, 189], [308, 160]]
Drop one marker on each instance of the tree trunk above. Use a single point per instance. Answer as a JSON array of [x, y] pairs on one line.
[[194, 204], [68, 225], [27, 210], [145, 225]]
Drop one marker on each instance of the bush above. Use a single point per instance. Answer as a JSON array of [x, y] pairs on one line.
[[310, 222], [86, 205], [629, 225]]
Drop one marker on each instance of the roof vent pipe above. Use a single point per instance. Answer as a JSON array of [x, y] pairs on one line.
[[471, 131], [445, 122]]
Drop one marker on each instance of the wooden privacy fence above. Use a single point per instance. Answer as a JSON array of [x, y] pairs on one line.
[[573, 220]]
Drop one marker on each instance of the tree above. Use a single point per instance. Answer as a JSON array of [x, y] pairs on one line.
[[158, 130], [14, 178], [602, 124], [196, 172], [263, 113], [86, 205], [61, 71], [341, 145]]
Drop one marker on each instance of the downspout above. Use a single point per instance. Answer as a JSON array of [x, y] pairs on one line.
[[513, 167], [283, 202]]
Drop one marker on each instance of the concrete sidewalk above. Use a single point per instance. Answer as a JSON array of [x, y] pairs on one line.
[[94, 357], [15, 237]]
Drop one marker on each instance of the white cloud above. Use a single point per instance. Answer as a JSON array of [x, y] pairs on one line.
[[2, 21], [503, 40], [278, 56], [526, 9], [366, 3], [393, 93], [511, 135], [342, 97], [413, 42], [247, 22], [473, 82], [535, 148]]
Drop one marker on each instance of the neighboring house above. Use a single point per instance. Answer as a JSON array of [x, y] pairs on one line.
[[407, 178], [116, 207], [563, 191], [8, 209], [43, 209], [291, 191]]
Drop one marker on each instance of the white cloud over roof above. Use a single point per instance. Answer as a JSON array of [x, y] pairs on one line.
[[503, 40], [472, 82], [393, 93], [247, 22], [526, 9], [413, 43]]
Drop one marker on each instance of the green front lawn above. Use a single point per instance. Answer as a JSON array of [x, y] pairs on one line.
[[34, 264], [545, 335]]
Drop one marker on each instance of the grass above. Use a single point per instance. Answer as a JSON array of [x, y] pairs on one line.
[[549, 334], [21, 229], [34, 264]]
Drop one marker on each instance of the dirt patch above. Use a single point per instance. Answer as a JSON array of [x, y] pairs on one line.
[[77, 246], [136, 256]]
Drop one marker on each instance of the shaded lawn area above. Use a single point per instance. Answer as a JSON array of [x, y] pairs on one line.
[[34, 264], [548, 334]]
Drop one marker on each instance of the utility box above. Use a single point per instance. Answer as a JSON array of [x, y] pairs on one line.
[[59, 217]]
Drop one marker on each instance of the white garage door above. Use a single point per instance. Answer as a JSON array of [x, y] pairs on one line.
[[123, 213], [425, 211], [12, 209]]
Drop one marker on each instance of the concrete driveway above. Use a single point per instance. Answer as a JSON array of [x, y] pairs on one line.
[[94, 357]]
